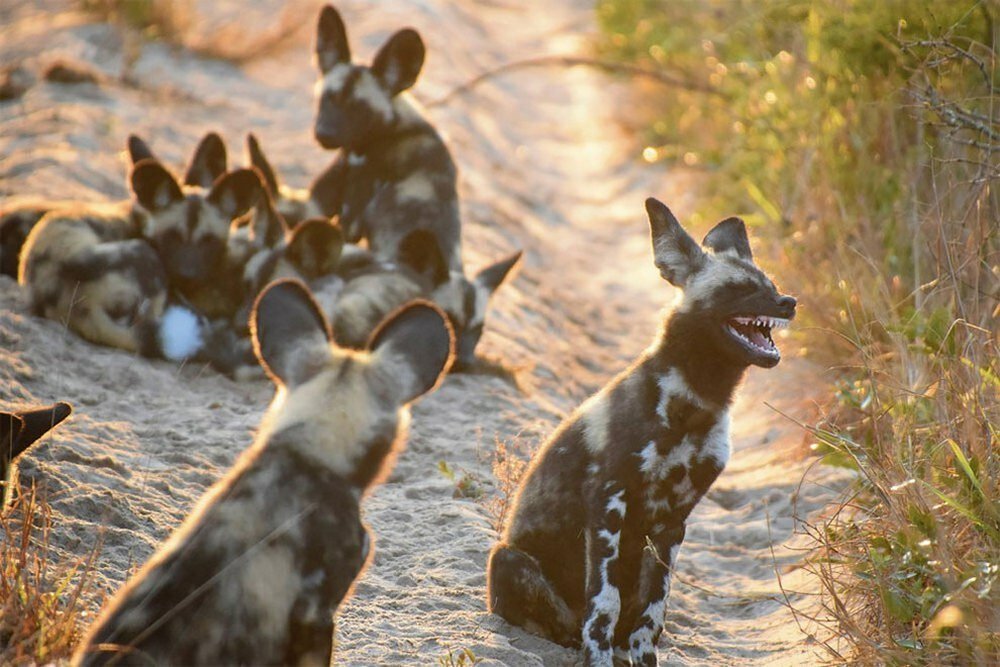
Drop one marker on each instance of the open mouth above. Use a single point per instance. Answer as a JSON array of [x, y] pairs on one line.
[[755, 333]]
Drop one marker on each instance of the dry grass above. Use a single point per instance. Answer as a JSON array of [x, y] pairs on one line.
[[508, 462], [175, 22], [42, 600]]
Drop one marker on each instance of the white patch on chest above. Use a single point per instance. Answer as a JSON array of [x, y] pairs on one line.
[[673, 386], [656, 467], [716, 445]]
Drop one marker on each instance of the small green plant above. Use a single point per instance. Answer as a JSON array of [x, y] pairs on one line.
[[467, 484], [462, 657]]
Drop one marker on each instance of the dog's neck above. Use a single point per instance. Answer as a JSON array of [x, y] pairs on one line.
[[711, 373]]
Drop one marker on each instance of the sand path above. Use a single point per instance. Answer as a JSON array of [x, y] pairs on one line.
[[545, 166]]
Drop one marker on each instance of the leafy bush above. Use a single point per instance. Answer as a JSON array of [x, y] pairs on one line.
[[861, 141]]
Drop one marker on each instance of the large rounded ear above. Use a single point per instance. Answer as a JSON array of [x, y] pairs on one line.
[[729, 236], [398, 63], [268, 227], [495, 274], [20, 430], [257, 159], [138, 150], [154, 186], [416, 346], [421, 252], [315, 247], [675, 253], [236, 192], [331, 40], [290, 335], [208, 162]]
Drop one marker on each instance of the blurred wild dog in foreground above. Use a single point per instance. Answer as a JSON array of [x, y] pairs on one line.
[[600, 516], [257, 571], [394, 182]]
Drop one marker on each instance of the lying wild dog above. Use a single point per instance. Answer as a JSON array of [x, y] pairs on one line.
[[263, 249], [599, 518], [19, 217], [18, 431], [376, 288], [257, 571], [394, 181], [107, 271], [90, 269]]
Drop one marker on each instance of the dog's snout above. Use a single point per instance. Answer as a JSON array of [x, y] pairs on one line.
[[788, 303]]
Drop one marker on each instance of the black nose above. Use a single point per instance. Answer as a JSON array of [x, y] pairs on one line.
[[787, 303]]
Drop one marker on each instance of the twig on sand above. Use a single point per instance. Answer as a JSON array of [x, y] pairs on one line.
[[608, 66]]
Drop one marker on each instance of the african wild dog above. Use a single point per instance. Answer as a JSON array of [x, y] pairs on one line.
[[18, 431], [109, 270], [90, 269], [394, 183], [189, 226], [375, 288], [19, 217], [394, 175], [601, 513], [257, 571], [264, 249]]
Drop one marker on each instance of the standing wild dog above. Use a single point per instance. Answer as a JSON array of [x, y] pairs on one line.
[[18, 431], [394, 183], [257, 571], [600, 515]]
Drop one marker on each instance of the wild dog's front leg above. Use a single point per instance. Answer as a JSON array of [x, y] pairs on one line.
[[605, 516], [658, 560]]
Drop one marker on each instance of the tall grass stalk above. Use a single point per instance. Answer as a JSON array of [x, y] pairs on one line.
[[43, 600]]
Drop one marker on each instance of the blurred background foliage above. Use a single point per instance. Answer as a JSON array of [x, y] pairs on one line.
[[860, 141]]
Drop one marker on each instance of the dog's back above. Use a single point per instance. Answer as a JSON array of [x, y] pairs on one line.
[[256, 573]]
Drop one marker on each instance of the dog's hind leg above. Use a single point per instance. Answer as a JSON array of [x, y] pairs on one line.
[[518, 590]]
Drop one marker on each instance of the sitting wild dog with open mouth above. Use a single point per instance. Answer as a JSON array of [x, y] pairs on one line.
[[600, 515], [257, 571]]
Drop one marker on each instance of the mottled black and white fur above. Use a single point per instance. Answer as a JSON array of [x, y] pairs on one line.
[[394, 182], [376, 288], [18, 431], [599, 518], [257, 571]]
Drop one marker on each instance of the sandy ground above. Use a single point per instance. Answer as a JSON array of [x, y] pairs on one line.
[[545, 166]]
